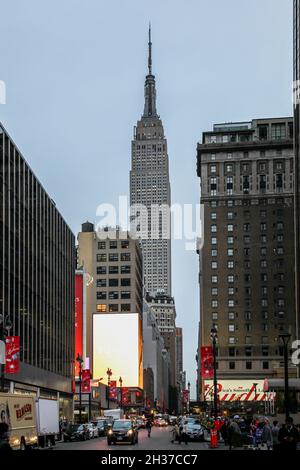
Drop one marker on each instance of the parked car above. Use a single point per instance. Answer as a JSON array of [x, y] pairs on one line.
[[75, 432], [92, 430], [102, 426], [195, 431], [123, 430]]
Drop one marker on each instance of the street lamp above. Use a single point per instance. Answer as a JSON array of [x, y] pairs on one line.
[[214, 337], [285, 338], [189, 389], [121, 396], [80, 362], [109, 374], [5, 325]]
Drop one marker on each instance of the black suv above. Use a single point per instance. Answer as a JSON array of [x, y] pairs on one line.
[[123, 430]]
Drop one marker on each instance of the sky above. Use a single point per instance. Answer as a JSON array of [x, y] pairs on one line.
[[74, 72]]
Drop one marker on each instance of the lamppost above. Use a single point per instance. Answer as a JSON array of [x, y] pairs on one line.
[[255, 393], [80, 362], [214, 337], [285, 338], [5, 326], [189, 389], [121, 392], [109, 374]]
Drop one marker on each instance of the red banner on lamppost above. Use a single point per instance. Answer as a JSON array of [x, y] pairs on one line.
[[207, 362], [12, 354], [113, 392], [185, 396], [86, 381], [78, 319]]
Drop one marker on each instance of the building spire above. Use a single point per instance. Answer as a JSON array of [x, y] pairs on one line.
[[150, 52], [150, 91]]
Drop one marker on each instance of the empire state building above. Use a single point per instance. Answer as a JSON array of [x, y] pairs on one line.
[[150, 187]]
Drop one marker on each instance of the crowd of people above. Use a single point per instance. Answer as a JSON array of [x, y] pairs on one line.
[[259, 433]]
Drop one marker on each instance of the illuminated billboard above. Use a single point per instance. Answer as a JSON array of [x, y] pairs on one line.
[[117, 344], [236, 390]]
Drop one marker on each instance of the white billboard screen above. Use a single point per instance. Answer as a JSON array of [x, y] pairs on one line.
[[117, 345], [236, 390]]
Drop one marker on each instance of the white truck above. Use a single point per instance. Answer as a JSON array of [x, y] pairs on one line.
[[114, 413], [47, 418]]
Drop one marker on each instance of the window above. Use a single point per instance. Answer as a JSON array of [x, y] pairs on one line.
[[125, 244], [232, 352], [263, 264], [230, 215], [230, 264], [279, 183], [230, 228], [231, 316], [125, 269], [213, 168], [113, 257], [246, 184], [231, 291], [262, 183], [214, 304], [101, 295], [214, 265], [213, 216], [231, 303], [214, 253], [229, 185], [101, 308], [215, 316], [230, 240], [263, 227], [113, 282], [230, 279], [113, 295], [101, 282], [248, 351], [213, 186], [246, 227], [280, 226], [214, 279], [101, 257], [125, 282], [101, 269], [231, 365], [125, 307], [232, 340], [278, 131], [229, 168], [265, 351], [231, 328], [230, 252], [113, 269], [213, 228], [214, 241], [113, 245], [101, 245], [214, 291], [125, 256], [248, 315], [113, 308], [248, 365], [247, 239], [263, 251], [265, 365], [248, 340], [125, 295]]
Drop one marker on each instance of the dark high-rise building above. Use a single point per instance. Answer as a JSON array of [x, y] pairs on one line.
[[297, 154], [150, 187], [37, 266], [247, 258]]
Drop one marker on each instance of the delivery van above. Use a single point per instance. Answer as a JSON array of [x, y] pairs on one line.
[[19, 412]]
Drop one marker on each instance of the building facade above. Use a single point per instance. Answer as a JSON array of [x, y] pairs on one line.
[[297, 155], [112, 261], [37, 265], [150, 188], [163, 308], [246, 258]]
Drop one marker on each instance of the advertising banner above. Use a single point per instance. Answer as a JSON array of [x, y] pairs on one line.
[[113, 391], [12, 348], [237, 390], [86, 381], [185, 396], [78, 319], [207, 362]]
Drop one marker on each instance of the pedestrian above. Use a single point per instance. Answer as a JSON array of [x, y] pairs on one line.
[[224, 432], [148, 427], [235, 434], [267, 435], [4, 437], [275, 433], [288, 436], [184, 434]]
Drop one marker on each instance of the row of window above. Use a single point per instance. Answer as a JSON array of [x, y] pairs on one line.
[[247, 277], [113, 257], [247, 264], [113, 308], [246, 167], [113, 270], [247, 214], [263, 251], [113, 244], [114, 282], [247, 227], [264, 303], [113, 295], [248, 315]]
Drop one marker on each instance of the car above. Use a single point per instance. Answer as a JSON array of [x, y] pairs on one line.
[[160, 422], [140, 423], [195, 431], [92, 430], [123, 430], [76, 432], [102, 426], [172, 420]]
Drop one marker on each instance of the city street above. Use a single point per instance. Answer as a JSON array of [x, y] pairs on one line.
[[160, 440]]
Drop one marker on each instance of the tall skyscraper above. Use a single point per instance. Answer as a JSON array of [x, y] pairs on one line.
[[150, 187], [297, 154], [247, 276]]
